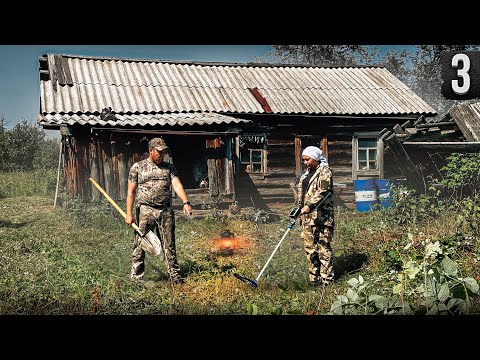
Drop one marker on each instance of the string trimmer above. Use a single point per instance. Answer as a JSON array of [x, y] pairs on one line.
[[293, 216]]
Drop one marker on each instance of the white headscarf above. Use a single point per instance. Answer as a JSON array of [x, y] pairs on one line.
[[314, 153]]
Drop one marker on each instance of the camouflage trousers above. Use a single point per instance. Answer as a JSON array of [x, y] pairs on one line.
[[318, 248], [161, 222]]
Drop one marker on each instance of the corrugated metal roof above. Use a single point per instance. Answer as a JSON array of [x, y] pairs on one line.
[[141, 119], [85, 85]]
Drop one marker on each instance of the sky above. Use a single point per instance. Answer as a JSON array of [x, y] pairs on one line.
[[20, 84]]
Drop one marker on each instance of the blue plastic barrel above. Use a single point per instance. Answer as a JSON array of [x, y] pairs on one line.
[[385, 192], [365, 194]]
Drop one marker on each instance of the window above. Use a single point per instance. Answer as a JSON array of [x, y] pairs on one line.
[[252, 152], [367, 154], [252, 158]]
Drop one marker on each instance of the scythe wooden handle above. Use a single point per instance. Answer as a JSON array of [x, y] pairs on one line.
[[114, 204]]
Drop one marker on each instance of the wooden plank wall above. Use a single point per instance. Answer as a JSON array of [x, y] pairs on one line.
[[264, 192], [107, 159], [104, 159], [340, 160]]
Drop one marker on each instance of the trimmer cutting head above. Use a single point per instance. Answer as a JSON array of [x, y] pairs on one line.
[[252, 283]]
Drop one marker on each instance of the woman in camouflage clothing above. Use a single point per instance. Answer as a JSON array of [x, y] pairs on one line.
[[315, 191], [154, 180]]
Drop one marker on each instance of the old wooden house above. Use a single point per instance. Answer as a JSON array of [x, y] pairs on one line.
[[421, 149], [236, 130]]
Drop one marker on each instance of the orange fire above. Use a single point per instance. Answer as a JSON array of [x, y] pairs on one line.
[[229, 244]]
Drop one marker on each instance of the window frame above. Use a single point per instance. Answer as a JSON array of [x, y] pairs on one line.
[[249, 165], [356, 171]]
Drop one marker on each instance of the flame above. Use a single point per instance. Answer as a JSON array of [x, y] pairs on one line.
[[229, 244]]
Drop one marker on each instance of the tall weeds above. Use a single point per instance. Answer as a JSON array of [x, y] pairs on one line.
[[27, 183]]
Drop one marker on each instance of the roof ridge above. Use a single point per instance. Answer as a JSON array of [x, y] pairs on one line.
[[212, 63]]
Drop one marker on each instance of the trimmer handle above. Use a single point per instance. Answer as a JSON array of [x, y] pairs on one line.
[[295, 213]]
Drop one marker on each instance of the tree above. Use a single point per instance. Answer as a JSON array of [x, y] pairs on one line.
[[25, 148], [321, 55], [47, 155], [426, 73], [24, 144], [397, 62], [4, 158]]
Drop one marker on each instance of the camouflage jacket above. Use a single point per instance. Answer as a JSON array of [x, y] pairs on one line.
[[154, 182], [320, 184]]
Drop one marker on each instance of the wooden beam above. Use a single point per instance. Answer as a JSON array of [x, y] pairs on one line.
[[420, 120], [324, 147], [94, 170], [398, 129], [438, 124], [298, 154], [385, 135], [445, 146], [405, 164], [384, 131], [465, 117]]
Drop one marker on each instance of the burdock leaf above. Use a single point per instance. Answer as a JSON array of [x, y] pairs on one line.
[[471, 284], [449, 266]]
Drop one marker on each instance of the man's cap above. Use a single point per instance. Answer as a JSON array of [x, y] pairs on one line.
[[157, 143]]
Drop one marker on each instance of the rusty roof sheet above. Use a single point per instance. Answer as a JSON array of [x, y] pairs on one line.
[[85, 85]]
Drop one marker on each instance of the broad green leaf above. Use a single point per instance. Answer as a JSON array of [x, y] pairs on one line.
[[433, 310], [442, 307], [452, 302], [397, 288], [444, 292], [352, 282], [336, 304], [352, 295], [462, 306], [375, 297], [337, 308], [361, 288], [412, 270], [449, 266], [471, 284], [379, 301]]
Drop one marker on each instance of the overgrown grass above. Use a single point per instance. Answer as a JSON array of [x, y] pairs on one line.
[[76, 260], [28, 183]]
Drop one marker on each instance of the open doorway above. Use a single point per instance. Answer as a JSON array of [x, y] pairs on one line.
[[190, 159]]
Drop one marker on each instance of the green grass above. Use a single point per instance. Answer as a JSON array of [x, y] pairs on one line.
[[28, 183], [76, 260]]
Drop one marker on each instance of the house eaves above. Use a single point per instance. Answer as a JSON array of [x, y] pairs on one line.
[[133, 120]]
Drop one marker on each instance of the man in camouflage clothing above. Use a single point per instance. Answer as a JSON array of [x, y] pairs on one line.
[[154, 180], [315, 191]]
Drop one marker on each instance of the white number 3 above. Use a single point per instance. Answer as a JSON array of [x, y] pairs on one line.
[[463, 73]]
